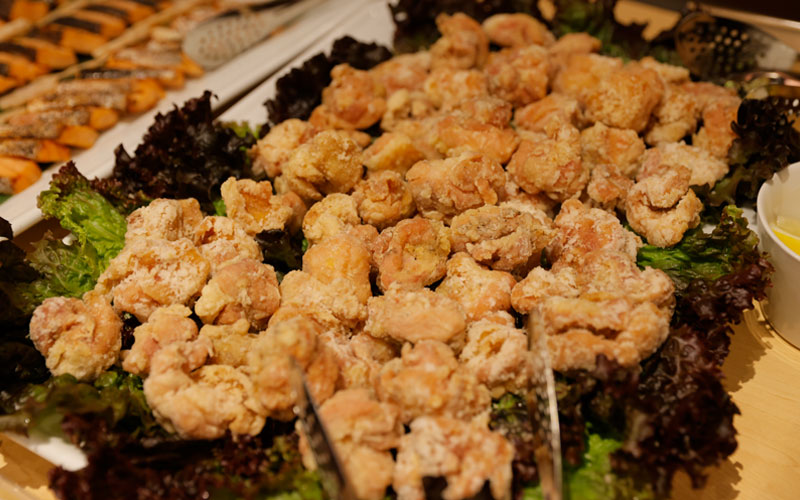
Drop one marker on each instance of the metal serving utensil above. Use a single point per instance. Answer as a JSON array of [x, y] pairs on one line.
[[221, 38], [332, 475], [543, 409], [717, 48]]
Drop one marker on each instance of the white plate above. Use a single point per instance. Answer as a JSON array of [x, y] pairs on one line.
[[227, 82]]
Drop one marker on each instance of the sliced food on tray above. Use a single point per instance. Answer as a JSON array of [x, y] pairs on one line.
[[47, 113]]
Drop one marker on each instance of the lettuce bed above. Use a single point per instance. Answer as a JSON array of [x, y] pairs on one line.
[[625, 431]]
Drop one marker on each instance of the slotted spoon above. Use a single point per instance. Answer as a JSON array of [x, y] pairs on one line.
[[716, 48]]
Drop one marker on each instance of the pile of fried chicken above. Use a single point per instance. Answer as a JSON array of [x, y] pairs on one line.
[[426, 252]]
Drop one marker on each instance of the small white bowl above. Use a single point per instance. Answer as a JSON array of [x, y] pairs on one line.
[[781, 196]]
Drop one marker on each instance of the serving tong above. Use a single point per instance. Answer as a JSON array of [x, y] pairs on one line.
[[542, 409], [721, 50], [221, 38], [716, 48]]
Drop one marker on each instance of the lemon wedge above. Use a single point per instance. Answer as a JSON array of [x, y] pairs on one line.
[[790, 240], [788, 225]]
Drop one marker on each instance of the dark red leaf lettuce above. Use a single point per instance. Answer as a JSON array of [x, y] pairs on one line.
[[299, 91], [185, 154]]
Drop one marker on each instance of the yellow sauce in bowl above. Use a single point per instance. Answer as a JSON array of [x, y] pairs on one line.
[[787, 230]]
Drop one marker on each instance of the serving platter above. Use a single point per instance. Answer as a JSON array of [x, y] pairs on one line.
[[226, 82], [760, 372]]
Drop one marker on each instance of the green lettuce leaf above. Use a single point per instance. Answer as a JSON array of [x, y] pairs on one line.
[[83, 211], [64, 271], [594, 478], [116, 397], [705, 256]]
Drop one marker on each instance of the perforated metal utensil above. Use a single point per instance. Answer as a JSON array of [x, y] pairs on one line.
[[332, 475], [716, 48], [543, 410], [223, 37]]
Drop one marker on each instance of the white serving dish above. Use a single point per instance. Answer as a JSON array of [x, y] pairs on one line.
[[227, 82], [781, 196]]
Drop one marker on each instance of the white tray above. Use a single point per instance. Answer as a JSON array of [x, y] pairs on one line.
[[227, 82]]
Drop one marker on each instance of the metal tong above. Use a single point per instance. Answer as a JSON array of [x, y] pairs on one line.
[[332, 475], [718, 49], [542, 408], [221, 38]]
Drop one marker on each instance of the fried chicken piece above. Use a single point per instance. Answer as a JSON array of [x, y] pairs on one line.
[[611, 273], [329, 163], [554, 108], [334, 286], [579, 329], [625, 98], [661, 206], [466, 454], [515, 197], [580, 230], [447, 87], [360, 357], [568, 45], [668, 72], [498, 355], [148, 274], [412, 253], [502, 237], [541, 284], [619, 148], [428, 380], [353, 100], [444, 188], [164, 219], [463, 44], [415, 315], [461, 132], [253, 205], [274, 149], [341, 262], [705, 168], [362, 431], [270, 367], [334, 214], [403, 72], [488, 110], [383, 199], [200, 403], [517, 30], [582, 73], [479, 290], [518, 75], [221, 240], [354, 416], [243, 289], [230, 343], [78, 337], [392, 151], [165, 326], [675, 117], [551, 164], [607, 187], [716, 135], [406, 106]]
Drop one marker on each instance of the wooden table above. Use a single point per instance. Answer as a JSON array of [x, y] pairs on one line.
[[762, 373]]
